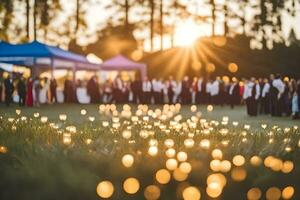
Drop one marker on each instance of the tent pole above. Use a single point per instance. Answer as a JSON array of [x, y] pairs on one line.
[[35, 69], [52, 68], [74, 74]]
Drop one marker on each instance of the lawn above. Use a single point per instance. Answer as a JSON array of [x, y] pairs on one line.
[[167, 153]]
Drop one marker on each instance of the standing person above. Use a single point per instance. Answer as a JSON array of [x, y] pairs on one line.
[[1, 86], [221, 99], [47, 89], [265, 97], [161, 91], [21, 89], [155, 90], [9, 88], [67, 91], [126, 92], [287, 99], [171, 88], [136, 88], [215, 91], [36, 89], [251, 95], [234, 93], [117, 89], [146, 88], [279, 87], [185, 91], [93, 90], [107, 91], [29, 97], [53, 86], [195, 90]]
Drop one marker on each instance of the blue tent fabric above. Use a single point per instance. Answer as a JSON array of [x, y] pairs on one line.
[[26, 54]]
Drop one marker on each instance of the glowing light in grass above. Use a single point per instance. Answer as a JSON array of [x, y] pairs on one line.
[[182, 156], [67, 138], [225, 166], [215, 165], [214, 189], [255, 161], [127, 160], [287, 167], [105, 189], [170, 153], [238, 160], [91, 118], [217, 154], [18, 111], [83, 112], [163, 176], [171, 164], [273, 193], [44, 119], [254, 194], [131, 185], [205, 144], [152, 192], [210, 108], [185, 167], [3, 149], [62, 117], [238, 174], [153, 150], [179, 175], [191, 193], [288, 192]]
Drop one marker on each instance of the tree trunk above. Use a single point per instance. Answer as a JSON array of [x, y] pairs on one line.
[[226, 28], [27, 20], [152, 7], [263, 20], [213, 16], [126, 14], [161, 25], [77, 18], [34, 19]]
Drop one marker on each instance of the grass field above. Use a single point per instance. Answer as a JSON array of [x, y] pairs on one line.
[[44, 156], [73, 112]]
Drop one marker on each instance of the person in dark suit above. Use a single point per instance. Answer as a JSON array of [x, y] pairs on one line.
[[93, 90], [234, 93], [9, 88], [21, 88], [185, 91], [53, 86], [136, 88]]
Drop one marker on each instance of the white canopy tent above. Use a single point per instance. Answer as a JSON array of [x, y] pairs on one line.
[[121, 63]]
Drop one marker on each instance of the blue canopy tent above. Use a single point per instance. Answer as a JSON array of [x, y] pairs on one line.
[[36, 55]]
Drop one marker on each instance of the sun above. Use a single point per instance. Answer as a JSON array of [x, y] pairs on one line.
[[186, 33]]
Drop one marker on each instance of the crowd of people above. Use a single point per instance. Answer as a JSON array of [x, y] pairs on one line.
[[273, 95]]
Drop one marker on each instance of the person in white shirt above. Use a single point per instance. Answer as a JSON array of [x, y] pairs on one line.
[[213, 89], [278, 88], [171, 87], [146, 88], [265, 97], [117, 89], [251, 95], [234, 93]]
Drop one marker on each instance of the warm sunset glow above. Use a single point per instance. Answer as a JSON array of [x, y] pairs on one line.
[[187, 33]]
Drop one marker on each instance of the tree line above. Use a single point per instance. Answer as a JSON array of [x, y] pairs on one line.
[[258, 19]]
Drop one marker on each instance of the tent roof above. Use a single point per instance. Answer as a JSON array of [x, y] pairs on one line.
[[121, 62], [25, 54]]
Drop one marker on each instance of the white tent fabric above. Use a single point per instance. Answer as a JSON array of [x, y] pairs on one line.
[[120, 63]]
